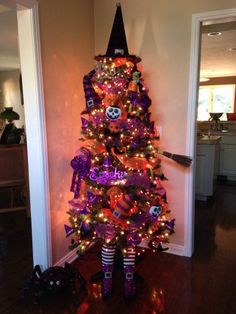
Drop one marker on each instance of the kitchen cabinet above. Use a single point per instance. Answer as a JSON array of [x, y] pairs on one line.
[[228, 157], [207, 167]]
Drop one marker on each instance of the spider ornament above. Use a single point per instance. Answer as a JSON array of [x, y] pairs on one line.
[[55, 281]]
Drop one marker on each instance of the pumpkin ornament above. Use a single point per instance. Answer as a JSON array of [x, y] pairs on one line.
[[114, 127]]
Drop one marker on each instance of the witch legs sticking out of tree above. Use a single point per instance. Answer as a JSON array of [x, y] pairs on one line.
[[118, 196]]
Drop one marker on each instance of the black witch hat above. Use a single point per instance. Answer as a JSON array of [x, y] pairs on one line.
[[117, 46]]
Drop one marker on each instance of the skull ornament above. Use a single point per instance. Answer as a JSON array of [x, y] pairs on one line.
[[113, 113], [155, 211]]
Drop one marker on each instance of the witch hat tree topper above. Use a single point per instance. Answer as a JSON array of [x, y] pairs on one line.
[[117, 46]]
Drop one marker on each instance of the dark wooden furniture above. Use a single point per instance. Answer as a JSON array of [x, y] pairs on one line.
[[13, 178]]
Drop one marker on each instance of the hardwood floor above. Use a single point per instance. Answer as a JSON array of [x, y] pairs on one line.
[[204, 284], [15, 258]]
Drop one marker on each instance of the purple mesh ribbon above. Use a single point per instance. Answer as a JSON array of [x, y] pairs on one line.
[[105, 231], [133, 238], [143, 101], [138, 180]]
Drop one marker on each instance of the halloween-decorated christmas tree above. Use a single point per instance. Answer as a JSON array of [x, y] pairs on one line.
[[118, 196]]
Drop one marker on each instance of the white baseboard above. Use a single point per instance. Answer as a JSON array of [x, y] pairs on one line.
[[69, 258], [175, 249]]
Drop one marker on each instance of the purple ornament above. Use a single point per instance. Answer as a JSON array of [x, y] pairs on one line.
[[85, 230], [170, 225], [68, 230], [107, 162], [92, 198], [85, 226], [85, 122]]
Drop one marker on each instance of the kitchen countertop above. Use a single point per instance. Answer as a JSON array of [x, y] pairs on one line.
[[224, 132], [209, 140]]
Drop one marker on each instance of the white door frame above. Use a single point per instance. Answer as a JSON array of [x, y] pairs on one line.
[[31, 70], [197, 19]]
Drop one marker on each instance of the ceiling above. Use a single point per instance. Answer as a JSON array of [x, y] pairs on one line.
[[217, 56]]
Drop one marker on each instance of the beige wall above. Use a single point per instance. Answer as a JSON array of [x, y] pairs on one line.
[[160, 32], [67, 44]]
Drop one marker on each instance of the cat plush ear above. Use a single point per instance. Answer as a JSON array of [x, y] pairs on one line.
[[37, 272]]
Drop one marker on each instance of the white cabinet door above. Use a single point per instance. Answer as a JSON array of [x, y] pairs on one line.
[[205, 171], [228, 160], [201, 166]]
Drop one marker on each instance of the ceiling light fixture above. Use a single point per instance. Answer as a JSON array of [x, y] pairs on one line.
[[212, 34]]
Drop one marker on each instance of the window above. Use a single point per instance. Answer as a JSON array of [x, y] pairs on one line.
[[215, 98]]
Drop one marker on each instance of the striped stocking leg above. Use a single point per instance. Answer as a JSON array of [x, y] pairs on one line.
[[108, 254], [129, 267]]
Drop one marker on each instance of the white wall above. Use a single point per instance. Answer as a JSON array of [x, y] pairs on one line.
[[160, 33]]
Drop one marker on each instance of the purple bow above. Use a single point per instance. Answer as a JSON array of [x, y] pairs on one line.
[[81, 166]]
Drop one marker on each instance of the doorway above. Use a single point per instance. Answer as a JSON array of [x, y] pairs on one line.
[[37, 246], [197, 21], [30, 64]]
